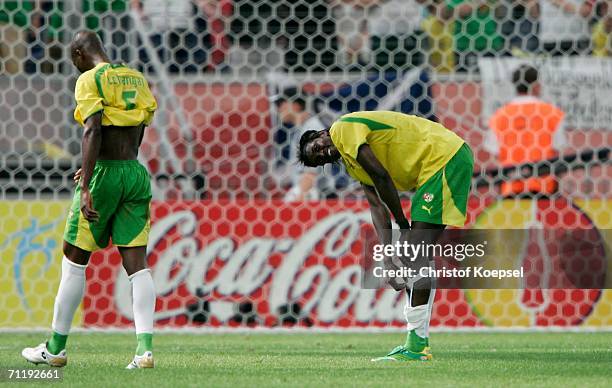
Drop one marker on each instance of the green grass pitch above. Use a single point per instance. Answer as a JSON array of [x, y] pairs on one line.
[[336, 360]]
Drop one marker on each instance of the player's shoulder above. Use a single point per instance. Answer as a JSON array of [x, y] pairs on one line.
[[129, 69], [88, 75], [132, 72], [373, 114], [374, 120], [91, 76]]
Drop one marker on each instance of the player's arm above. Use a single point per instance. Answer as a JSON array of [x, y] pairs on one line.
[[383, 183], [380, 215], [90, 145], [382, 224]]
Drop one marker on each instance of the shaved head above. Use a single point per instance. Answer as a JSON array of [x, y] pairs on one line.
[[86, 50]]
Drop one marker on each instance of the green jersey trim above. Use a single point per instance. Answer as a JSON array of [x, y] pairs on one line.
[[371, 124]]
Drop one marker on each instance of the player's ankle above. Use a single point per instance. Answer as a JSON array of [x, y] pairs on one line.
[[416, 343], [57, 343], [145, 343]]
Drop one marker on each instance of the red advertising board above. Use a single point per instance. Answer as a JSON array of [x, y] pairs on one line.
[[268, 263]]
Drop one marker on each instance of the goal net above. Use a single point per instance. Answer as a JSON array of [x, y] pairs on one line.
[[242, 236]]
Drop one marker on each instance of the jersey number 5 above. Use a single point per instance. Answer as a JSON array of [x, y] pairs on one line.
[[129, 96]]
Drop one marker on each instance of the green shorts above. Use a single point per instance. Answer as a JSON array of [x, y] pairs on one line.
[[442, 199], [121, 194]]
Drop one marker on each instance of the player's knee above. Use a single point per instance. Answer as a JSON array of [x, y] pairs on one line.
[[76, 254], [133, 259], [420, 297], [132, 267]]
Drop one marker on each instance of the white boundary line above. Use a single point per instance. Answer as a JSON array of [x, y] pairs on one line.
[[320, 330]]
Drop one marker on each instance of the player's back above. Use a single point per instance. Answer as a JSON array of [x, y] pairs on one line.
[[411, 148], [121, 93]]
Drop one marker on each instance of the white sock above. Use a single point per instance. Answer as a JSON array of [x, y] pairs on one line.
[[143, 300], [69, 295], [418, 318], [430, 302]]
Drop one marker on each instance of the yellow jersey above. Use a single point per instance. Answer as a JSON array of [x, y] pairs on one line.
[[411, 148], [602, 44], [121, 93]]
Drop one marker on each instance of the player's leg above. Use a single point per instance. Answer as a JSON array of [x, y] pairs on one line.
[[427, 225], [69, 295], [130, 233], [143, 303], [420, 295], [444, 198], [80, 239], [439, 202]]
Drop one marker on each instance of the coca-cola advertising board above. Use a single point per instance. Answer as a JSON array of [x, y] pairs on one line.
[[271, 264]]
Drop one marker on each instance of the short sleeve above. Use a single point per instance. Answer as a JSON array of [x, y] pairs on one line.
[[87, 98], [352, 136]]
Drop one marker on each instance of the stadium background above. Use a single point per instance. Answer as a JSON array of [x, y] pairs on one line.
[[227, 248]]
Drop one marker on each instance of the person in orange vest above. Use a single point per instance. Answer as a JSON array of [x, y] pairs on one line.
[[524, 130]]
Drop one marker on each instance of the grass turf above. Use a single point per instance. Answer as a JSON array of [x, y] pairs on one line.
[[309, 360]]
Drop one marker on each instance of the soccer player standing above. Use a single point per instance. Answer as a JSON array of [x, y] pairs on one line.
[[389, 152], [112, 198]]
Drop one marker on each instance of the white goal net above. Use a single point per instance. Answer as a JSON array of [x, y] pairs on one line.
[[236, 240]]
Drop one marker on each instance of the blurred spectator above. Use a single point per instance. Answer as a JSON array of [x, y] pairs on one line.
[[564, 26], [524, 130], [12, 49], [303, 30], [46, 51], [602, 31], [186, 187], [291, 110], [179, 33], [12, 45], [303, 180], [440, 37], [398, 41], [304, 183], [248, 60], [476, 31], [197, 177], [257, 44], [353, 35], [310, 32], [218, 13], [520, 25], [161, 187]]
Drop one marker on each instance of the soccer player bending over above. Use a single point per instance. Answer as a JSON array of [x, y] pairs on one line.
[[388, 152], [114, 105]]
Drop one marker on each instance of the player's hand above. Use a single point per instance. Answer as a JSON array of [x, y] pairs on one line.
[[77, 175], [404, 236], [87, 206], [393, 282]]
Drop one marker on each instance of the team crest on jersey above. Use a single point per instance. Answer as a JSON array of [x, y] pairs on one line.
[[428, 197]]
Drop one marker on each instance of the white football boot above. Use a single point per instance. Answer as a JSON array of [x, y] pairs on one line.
[[141, 362], [40, 355]]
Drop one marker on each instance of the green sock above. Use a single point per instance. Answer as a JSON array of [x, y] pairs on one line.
[[145, 343], [56, 343], [415, 343]]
